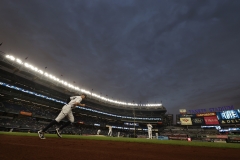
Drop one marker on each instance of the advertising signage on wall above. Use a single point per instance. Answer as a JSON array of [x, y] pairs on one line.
[[188, 115], [230, 121], [186, 121], [26, 113], [198, 121], [131, 124], [229, 117], [216, 127], [206, 114], [211, 120]]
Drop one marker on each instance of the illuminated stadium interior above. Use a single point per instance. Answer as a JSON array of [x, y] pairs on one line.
[[24, 80], [18, 63]]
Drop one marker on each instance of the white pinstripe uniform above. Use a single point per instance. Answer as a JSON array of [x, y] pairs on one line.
[[149, 131], [110, 131], [67, 109], [98, 132]]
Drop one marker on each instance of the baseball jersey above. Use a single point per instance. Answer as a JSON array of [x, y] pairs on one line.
[[74, 99], [149, 127]]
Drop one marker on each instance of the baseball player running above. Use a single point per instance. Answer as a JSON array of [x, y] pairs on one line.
[[66, 111]]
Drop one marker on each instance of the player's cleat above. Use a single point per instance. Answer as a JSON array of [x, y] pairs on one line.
[[41, 134], [58, 133]]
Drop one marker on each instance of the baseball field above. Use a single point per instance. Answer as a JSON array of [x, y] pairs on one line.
[[15, 145]]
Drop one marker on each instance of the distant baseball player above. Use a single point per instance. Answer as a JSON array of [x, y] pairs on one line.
[[66, 111], [149, 131], [110, 131], [98, 132]]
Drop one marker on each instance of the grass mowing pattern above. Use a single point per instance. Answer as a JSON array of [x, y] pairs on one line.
[[138, 140]]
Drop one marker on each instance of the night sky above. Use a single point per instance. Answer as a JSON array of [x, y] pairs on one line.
[[183, 53]]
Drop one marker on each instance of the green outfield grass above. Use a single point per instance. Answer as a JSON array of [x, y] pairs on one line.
[[134, 140]]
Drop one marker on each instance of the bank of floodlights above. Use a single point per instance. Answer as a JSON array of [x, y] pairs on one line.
[[54, 78]]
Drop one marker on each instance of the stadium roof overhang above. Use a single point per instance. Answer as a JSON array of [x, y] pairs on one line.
[[14, 71]]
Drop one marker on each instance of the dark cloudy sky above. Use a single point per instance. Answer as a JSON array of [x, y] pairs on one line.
[[185, 53]]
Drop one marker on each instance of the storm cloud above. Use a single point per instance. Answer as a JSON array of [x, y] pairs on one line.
[[185, 54]]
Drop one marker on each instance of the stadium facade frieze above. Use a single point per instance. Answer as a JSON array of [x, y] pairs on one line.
[[213, 109]]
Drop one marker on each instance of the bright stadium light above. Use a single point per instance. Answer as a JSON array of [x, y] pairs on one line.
[[50, 76], [46, 74], [26, 65], [19, 61], [10, 57], [40, 71]]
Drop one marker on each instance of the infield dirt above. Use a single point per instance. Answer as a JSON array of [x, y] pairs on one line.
[[26, 148]]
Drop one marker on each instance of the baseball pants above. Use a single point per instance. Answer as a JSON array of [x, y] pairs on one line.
[[66, 111]]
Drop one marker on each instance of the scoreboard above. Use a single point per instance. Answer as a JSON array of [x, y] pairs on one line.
[[232, 114], [211, 118]]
